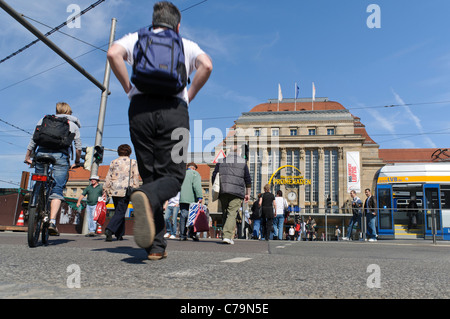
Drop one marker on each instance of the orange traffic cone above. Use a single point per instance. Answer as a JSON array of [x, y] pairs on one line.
[[99, 229], [20, 221]]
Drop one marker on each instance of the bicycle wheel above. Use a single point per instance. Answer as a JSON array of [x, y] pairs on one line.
[[35, 218], [44, 232]]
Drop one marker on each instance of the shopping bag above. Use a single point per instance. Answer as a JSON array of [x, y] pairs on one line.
[[201, 222], [216, 188], [193, 210], [100, 211]]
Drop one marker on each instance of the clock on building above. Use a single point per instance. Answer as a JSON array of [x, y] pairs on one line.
[[292, 196]]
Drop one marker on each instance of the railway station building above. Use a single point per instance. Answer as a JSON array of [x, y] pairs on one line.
[[315, 152]]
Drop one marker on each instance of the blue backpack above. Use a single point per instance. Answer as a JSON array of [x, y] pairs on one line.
[[159, 63]]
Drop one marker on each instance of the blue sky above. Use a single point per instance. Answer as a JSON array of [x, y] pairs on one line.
[[254, 45]]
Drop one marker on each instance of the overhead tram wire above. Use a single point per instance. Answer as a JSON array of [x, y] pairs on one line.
[[47, 70], [66, 34], [96, 48], [80, 40], [56, 66], [51, 31]]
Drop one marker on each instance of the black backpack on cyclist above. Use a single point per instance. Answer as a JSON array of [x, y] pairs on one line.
[[54, 133]]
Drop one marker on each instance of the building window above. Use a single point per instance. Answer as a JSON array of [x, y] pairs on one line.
[[275, 132], [312, 131], [274, 159], [330, 131], [293, 132], [257, 132], [292, 158], [312, 173], [331, 174]]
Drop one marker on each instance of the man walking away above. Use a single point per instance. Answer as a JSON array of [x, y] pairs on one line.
[[191, 192], [235, 183], [153, 118]]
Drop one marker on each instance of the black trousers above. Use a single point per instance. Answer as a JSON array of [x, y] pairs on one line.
[[117, 223], [159, 131]]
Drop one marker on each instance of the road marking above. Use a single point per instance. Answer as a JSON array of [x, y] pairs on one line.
[[236, 260], [280, 247]]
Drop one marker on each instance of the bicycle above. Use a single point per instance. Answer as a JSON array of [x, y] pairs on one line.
[[39, 207]]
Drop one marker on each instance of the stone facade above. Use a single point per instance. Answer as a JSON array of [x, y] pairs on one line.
[[313, 139]]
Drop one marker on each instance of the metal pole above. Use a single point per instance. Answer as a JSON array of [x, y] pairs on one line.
[[363, 224], [433, 225], [49, 43], [102, 112]]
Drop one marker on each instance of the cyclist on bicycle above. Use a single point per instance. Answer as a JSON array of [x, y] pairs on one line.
[[62, 157]]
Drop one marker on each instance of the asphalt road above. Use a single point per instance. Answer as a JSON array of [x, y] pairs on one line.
[[73, 266]]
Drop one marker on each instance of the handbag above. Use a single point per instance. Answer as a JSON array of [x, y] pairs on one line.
[[100, 211], [286, 211], [216, 188], [129, 188], [201, 222]]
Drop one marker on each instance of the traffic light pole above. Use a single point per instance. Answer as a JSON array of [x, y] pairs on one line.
[[102, 111]]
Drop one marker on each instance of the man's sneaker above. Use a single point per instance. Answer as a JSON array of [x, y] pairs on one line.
[[345, 238], [52, 230], [144, 225], [166, 235], [172, 237], [228, 241], [372, 239]]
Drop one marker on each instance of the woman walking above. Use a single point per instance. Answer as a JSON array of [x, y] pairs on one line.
[[267, 202], [123, 172]]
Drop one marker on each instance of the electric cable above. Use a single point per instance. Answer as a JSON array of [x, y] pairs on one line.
[[51, 31], [66, 34], [96, 48]]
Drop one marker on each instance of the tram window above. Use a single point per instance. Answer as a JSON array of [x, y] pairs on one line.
[[445, 197], [431, 195]]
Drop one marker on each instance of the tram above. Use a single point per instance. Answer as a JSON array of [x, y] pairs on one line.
[[429, 183]]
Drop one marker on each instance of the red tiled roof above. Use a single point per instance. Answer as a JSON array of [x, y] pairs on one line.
[[406, 155], [301, 106], [80, 174], [203, 169]]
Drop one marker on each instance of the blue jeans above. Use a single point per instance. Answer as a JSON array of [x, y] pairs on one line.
[[278, 223], [90, 211], [170, 217], [371, 229], [355, 219], [184, 214], [60, 172], [256, 228]]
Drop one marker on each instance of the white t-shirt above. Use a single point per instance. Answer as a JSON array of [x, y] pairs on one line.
[[174, 200], [281, 204], [191, 52]]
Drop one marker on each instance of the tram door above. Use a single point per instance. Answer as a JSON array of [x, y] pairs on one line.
[[385, 211], [432, 201]]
